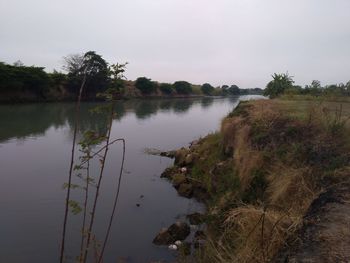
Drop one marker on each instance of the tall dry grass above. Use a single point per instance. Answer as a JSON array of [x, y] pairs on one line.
[[297, 152]]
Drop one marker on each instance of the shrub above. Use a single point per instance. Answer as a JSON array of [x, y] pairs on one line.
[[182, 87], [23, 78], [207, 89], [279, 84], [145, 85], [166, 88]]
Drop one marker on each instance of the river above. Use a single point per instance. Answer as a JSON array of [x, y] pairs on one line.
[[35, 144]]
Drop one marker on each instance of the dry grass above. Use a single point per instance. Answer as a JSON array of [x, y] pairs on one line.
[[258, 233], [287, 150], [291, 187]]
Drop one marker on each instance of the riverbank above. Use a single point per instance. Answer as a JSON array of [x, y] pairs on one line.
[[275, 180], [27, 97]]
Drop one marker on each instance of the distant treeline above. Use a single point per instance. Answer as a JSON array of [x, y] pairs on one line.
[[19, 83], [283, 84]]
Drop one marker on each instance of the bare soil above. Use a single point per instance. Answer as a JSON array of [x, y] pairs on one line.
[[325, 233]]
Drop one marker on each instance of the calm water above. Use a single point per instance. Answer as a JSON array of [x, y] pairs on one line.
[[35, 144]]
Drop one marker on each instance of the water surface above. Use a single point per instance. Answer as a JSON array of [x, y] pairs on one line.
[[35, 144]]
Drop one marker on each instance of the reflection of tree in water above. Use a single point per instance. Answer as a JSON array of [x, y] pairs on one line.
[[120, 110], [93, 121], [31, 119], [88, 121], [166, 105], [145, 108], [20, 121], [206, 102], [182, 106], [234, 99]]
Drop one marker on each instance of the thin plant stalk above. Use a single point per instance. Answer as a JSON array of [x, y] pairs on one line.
[[76, 125], [114, 205], [103, 161], [100, 150], [85, 206]]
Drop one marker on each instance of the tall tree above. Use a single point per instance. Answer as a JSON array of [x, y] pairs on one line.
[[95, 68]]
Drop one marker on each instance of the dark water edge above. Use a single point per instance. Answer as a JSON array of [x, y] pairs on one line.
[[35, 141]]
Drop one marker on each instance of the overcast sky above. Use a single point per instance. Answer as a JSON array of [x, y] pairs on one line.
[[221, 42]]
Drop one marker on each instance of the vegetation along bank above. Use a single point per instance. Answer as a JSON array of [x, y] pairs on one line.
[[276, 182], [20, 83]]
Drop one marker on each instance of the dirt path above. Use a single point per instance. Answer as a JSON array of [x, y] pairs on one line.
[[325, 235]]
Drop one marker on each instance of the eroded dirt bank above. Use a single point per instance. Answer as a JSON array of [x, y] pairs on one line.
[[276, 183], [324, 235]]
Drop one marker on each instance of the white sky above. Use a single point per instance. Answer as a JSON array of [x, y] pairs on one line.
[[221, 42]]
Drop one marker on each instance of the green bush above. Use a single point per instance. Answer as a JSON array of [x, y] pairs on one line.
[[166, 88], [182, 87], [207, 89], [22, 78], [145, 85], [279, 84]]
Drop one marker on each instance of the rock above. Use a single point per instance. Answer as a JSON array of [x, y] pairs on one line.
[[168, 172], [185, 189], [169, 154], [176, 232], [179, 230], [163, 238], [178, 179], [172, 247], [180, 156], [189, 159], [195, 218], [178, 242]]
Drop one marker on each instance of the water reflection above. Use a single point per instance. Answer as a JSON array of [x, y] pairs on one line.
[[207, 102], [37, 168], [21, 121]]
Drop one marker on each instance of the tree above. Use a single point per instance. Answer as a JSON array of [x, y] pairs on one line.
[[234, 90], [73, 63], [93, 66], [116, 77], [182, 87], [96, 71], [278, 85], [347, 88], [57, 78], [23, 79], [314, 88], [18, 63], [224, 89], [207, 89], [145, 85], [166, 88]]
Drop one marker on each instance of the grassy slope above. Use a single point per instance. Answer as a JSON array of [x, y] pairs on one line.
[[263, 170]]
